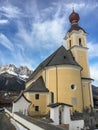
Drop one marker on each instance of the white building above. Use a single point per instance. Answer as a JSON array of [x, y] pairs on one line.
[[60, 113], [21, 104]]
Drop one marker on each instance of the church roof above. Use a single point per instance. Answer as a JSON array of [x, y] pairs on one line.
[[76, 27], [37, 86], [21, 95], [84, 78], [53, 105], [60, 57]]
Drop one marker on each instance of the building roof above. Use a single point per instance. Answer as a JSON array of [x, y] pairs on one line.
[[37, 86], [76, 27], [60, 57], [40, 123], [21, 95], [84, 78], [53, 105]]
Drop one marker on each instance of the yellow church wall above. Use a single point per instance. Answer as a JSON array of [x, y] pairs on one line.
[[86, 95], [72, 39], [67, 43], [52, 82], [82, 58], [67, 77], [41, 102], [60, 81], [83, 61], [83, 41]]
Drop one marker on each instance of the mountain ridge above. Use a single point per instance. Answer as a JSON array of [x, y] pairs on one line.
[[13, 78], [21, 71]]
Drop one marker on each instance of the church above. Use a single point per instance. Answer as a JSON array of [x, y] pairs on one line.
[[64, 76]]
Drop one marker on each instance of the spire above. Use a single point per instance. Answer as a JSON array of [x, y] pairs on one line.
[[73, 7]]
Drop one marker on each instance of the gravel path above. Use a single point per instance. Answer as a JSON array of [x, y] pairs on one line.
[[5, 123]]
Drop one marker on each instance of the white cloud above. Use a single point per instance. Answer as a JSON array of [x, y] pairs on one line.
[[21, 59], [93, 52], [94, 73], [50, 30], [24, 35], [6, 42], [84, 5], [10, 11], [75, 6], [44, 34], [3, 21]]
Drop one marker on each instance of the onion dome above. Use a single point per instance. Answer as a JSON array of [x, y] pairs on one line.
[[74, 17]]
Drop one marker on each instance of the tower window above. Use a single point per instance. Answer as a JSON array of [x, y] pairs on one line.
[[36, 96], [70, 43], [80, 43]]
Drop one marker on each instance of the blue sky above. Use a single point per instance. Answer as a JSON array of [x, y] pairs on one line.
[[30, 30]]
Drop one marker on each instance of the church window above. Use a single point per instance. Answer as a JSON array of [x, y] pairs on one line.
[[52, 97], [70, 43], [73, 87], [80, 43], [36, 96], [36, 108]]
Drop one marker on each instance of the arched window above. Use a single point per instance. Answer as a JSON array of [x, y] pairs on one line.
[[69, 43], [80, 43]]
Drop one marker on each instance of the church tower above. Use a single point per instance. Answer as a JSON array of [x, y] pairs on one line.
[[76, 43]]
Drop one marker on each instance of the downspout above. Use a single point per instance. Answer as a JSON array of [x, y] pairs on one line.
[[56, 84], [82, 91], [45, 78]]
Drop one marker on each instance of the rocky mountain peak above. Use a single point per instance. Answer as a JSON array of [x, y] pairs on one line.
[[22, 71]]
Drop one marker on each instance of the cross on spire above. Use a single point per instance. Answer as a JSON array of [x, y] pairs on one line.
[[73, 7]]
